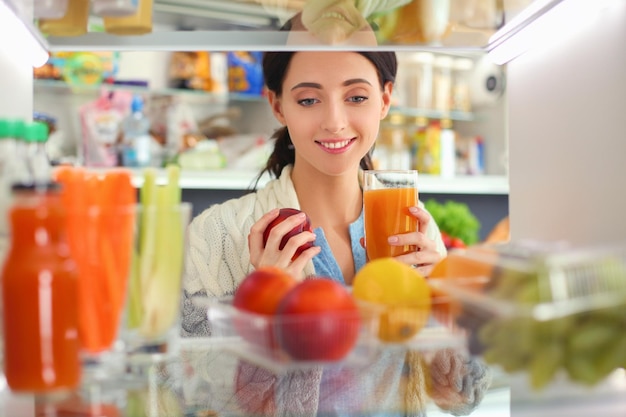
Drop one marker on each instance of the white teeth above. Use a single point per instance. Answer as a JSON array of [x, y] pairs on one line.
[[333, 15], [335, 145]]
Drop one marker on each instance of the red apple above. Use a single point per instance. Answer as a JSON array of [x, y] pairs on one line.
[[259, 293], [305, 226], [318, 320]]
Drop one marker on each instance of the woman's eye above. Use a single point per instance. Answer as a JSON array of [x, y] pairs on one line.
[[357, 99], [307, 101]]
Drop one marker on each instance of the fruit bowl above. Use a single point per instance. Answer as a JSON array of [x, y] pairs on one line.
[[550, 312], [313, 340]]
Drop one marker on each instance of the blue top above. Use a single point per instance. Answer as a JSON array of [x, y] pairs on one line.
[[326, 264]]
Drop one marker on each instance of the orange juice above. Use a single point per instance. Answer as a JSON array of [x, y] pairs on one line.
[[386, 214]]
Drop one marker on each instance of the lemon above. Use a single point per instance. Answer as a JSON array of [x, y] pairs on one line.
[[401, 291]]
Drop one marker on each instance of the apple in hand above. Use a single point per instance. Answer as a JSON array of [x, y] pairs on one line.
[[318, 320], [259, 293], [305, 226]]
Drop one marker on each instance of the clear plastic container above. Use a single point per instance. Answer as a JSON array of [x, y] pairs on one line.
[[49, 9], [548, 312], [255, 336], [114, 7], [442, 83], [138, 23], [461, 98], [72, 23], [425, 81]]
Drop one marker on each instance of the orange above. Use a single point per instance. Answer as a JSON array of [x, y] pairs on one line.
[[402, 293], [465, 269]]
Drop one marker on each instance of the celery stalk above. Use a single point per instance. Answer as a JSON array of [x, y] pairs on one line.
[[143, 253], [147, 226], [162, 289], [135, 305]]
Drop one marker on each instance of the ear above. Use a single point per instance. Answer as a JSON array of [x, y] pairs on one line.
[[387, 90], [276, 106]]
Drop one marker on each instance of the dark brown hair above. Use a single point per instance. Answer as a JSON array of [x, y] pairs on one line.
[[275, 66]]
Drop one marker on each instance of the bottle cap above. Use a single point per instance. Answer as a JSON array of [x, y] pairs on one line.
[[36, 132], [136, 104], [11, 128]]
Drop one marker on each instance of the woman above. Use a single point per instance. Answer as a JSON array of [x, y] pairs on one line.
[[330, 105]]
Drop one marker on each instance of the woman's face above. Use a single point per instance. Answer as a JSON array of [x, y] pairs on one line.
[[332, 105]]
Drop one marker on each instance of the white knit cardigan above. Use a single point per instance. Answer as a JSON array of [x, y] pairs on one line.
[[218, 257]]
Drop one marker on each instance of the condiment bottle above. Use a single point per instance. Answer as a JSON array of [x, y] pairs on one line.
[[39, 296]]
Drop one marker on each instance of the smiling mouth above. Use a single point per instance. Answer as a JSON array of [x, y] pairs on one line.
[[334, 15], [336, 145]]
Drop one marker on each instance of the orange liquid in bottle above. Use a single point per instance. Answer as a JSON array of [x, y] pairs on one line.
[[386, 214], [39, 295]]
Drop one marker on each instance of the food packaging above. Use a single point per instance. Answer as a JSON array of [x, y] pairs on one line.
[[547, 313], [72, 23], [138, 23]]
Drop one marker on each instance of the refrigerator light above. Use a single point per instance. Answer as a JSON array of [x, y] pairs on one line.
[[19, 39], [541, 22]]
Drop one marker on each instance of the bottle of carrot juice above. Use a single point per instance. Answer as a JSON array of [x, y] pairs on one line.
[[39, 295]]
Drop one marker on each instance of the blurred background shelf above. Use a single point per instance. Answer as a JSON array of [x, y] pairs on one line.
[[231, 179]]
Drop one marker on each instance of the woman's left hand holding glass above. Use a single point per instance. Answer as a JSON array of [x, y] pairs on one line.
[[426, 256]]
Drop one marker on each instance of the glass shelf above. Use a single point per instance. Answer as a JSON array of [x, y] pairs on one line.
[[232, 179], [61, 87], [434, 114]]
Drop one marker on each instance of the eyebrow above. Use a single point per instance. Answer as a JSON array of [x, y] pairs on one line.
[[319, 86]]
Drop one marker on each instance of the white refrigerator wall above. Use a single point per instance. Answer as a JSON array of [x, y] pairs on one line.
[[567, 132], [16, 85]]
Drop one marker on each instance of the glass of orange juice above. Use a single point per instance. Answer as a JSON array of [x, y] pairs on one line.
[[387, 196]]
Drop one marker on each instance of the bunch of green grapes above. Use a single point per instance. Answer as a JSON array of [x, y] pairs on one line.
[[587, 346]]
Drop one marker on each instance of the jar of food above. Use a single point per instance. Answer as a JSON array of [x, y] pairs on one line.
[[72, 23], [40, 296], [138, 23], [461, 98], [442, 82], [395, 138]]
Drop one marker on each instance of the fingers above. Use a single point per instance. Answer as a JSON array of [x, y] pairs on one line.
[[423, 218], [255, 238], [271, 253]]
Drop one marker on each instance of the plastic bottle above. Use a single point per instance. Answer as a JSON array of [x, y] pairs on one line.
[[13, 169], [136, 151], [40, 296], [35, 136], [447, 149]]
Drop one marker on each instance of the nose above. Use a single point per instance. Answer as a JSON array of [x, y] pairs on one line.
[[335, 120]]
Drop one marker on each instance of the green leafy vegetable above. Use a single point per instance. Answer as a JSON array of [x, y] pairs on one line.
[[455, 219]]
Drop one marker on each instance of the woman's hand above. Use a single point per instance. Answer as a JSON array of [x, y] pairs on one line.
[[426, 256], [270, 254]]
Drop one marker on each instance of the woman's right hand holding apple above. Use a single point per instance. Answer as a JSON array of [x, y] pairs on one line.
[[283, 239]]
